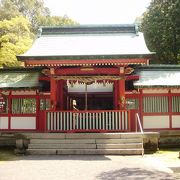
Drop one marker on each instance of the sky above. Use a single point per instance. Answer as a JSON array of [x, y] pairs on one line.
[[98, 11]]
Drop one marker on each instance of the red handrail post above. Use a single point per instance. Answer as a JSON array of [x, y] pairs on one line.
[[129, 120]]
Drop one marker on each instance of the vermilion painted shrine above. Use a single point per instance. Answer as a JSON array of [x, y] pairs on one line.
[[89, 79]]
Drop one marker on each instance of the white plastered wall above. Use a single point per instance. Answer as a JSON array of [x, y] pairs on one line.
[[155, 122], [3, 122], [23, 123], [176, 121]]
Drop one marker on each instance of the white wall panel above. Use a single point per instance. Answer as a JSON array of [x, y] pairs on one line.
[[155, 122], [23, 123], [176, 121], [3, 122]]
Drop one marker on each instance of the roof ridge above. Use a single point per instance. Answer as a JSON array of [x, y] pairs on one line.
[[88, 29]]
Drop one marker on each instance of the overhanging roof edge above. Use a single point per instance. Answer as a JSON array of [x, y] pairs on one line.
[[93, 57]]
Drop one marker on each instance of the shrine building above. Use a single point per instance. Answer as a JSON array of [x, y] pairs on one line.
[[89, 78]]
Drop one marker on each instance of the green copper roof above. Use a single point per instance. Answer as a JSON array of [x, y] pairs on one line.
[[10, 79], [158, 76]]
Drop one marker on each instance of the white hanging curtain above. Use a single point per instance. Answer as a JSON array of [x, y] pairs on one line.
[[87, 79]]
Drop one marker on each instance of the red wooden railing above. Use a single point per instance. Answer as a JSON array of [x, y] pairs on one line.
[[80, 121]]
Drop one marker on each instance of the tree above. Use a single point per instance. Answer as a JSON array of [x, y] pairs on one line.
[[161, 27], [31, 9], [7, 10], [56, 21], [34, 11], [15, 38], [19, 22]]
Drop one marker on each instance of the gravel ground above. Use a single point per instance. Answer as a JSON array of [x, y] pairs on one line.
[[72, 167]]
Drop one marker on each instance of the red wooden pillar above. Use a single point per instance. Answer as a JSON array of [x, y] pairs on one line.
[[60, 94], [9, 109], [116, 95], [53, 96], [37, 111], [121, 90], [121, 93], [170, 108]]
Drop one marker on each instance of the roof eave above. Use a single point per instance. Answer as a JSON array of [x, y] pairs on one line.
[[79, 57], [21, 69]]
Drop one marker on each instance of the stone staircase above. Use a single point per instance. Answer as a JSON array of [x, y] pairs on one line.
[[86, 143]]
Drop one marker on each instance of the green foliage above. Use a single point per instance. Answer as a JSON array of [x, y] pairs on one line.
[[19, 22], [34, 11], [31, 9], [7, 10], [161, 27], [55, 21], [15, 38]]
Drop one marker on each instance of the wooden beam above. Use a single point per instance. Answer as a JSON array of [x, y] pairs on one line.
[[44, 79], [132, 77], [89, 71]]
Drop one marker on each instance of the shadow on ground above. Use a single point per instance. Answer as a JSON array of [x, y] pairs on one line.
[[68, 157], [135, 174]]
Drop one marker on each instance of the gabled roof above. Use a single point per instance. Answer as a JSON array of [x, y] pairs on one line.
[[87, 42]]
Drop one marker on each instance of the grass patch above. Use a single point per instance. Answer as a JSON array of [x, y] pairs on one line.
[[170, 156], [7, 154], [168, 150]]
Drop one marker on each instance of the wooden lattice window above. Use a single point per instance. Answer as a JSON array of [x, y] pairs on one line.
[[44, 104], [23, 105], [132, 103], [176, 104], [3, 105], [155, 104]]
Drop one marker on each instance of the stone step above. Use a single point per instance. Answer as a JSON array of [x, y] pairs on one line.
[[85, 146], [85, 151], [62, 146], [62, 141], [82, 135], [41, 151], [131, 135], [119, 146], [84, 141], [102, 135], [45, 135], [93, 136], [118, 141], [101, 151]]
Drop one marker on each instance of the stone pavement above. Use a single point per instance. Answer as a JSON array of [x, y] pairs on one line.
[[171, 160], [85, 167]]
